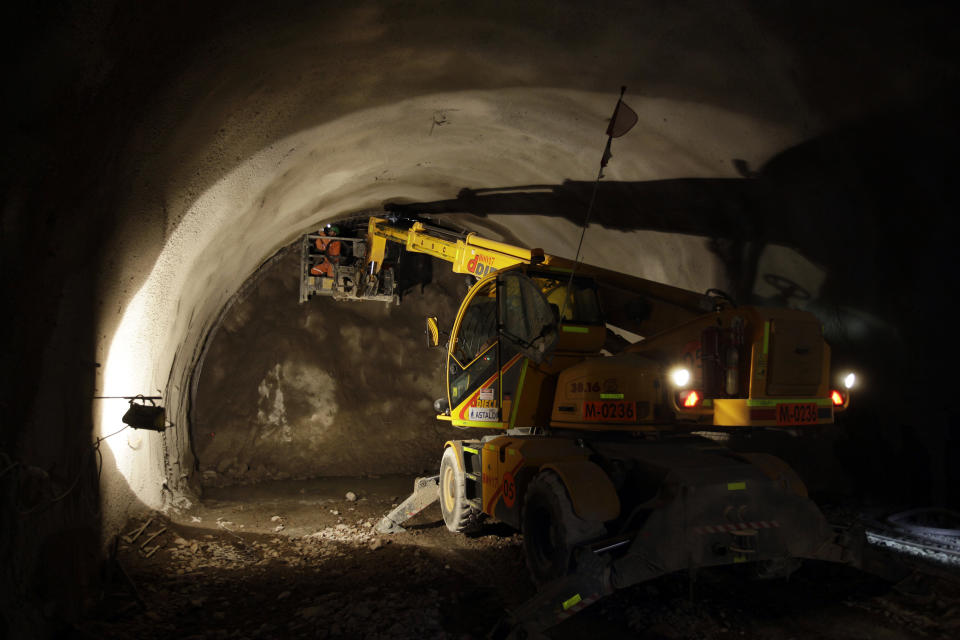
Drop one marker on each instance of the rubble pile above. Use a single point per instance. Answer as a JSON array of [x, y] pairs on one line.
[[362, 532]]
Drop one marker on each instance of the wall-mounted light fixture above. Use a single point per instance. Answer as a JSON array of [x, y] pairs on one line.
[[141, 415]]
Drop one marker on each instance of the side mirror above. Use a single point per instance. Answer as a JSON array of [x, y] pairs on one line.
[[432, 332]]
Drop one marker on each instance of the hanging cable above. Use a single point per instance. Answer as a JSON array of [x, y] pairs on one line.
[[94, 448]]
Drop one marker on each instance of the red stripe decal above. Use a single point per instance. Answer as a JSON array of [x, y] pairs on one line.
[[496, 494], [493, 499], [486, 384]]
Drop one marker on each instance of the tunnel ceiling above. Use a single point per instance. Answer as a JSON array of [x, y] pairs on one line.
[[209, 137]]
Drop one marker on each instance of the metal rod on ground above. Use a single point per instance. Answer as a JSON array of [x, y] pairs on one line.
[[131, 537], [152, 536]]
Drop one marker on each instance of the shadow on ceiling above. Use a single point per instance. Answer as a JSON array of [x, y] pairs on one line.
[[859, 201]]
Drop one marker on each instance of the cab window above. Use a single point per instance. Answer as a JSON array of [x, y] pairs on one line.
[[478, 328], [473, 358]]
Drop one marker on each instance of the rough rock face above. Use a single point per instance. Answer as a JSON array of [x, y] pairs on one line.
[[322, 388]]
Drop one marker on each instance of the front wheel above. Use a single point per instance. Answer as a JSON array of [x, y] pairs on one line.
[[458, 514], [551, 528]]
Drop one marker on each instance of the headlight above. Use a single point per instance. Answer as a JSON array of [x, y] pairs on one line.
[[849, 380], [680, 377]]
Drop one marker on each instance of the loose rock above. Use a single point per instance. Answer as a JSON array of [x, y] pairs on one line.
[[309, 612]]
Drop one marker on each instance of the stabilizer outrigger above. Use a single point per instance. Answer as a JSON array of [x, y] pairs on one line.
[[425, 493]]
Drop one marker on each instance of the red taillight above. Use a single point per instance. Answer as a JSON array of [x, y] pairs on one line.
[[689, 398], [837, 398]]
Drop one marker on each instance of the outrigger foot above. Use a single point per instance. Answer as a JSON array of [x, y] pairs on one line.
[[425, 492]]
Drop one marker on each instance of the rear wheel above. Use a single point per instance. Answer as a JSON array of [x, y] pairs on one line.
[[551, 528], [458, 514]]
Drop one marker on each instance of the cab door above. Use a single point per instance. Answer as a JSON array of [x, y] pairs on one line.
[[472, 360], [504, 319]]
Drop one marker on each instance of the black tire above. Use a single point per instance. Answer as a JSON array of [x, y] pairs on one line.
[[458, 514], [551, 528]]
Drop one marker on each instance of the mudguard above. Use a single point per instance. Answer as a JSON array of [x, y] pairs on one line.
[[592, 493], [456, 445], [778, 471]]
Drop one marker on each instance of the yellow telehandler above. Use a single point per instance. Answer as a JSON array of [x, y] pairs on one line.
[[607, 454]]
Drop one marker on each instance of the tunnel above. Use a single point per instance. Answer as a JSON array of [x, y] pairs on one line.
[[164, 162]]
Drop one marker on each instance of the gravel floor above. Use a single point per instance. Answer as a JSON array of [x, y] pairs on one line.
[[300, 559]]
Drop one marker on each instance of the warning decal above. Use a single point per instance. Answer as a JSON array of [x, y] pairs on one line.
[[509, 489]]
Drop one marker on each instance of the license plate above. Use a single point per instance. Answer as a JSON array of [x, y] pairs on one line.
[[609, 411], [797, 413]]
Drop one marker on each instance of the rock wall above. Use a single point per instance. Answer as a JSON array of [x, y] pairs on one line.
[[324, 387]]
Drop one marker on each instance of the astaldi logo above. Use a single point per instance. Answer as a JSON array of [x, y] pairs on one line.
[[480, 265]]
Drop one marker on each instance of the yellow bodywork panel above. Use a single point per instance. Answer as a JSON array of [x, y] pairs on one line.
[[778, 471], [762, 412], [785, 366], [376, 248], [504, 458], [731, 412], [581, 338], [608, 393], [458, 447], [592, 493]]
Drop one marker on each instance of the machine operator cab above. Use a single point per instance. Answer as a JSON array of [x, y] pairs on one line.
[[524, 352], [487, 368]]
